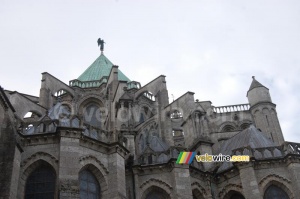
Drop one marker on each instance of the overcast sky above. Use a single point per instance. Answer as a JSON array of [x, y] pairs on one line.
[[208, 47]]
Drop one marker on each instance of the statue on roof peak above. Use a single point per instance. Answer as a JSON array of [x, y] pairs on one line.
[[101, 44]]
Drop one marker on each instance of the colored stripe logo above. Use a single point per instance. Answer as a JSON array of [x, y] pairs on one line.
[[185, 157]]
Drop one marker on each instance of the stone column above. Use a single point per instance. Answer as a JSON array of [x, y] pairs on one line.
[[130, 121], [15, 173], [294, 170], [210, 187], [182, 182], [44, 97], [130, 144], [249, 181], [116, 177], [205, 147], [45, 93], [137, 188], [10, 156], [69, 165]]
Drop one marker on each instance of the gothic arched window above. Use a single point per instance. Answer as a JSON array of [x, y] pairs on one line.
[[197, 194], [156, 193], [245, 125], [89, 186], [275, 192], [234, 195], [176, 114], [142, 118], [142, 143], [75, 122], [92, 115], [64, 113], [40, 183], [237, 196], [228, 128]]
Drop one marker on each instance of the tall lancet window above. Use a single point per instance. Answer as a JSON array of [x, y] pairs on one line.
[[92, 115], [275, 192], [156, 193], [41, 183], [89, 186]]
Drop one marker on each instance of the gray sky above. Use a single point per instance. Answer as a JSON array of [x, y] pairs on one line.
[[208, 47]]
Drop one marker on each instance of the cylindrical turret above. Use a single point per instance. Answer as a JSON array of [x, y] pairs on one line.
[[264, 111], [258, 93]]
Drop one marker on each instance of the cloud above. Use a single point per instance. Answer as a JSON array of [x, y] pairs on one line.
[[209, 47]]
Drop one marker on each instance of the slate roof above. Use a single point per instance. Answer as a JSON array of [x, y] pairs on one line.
[[251, 137], [155, 145], [99, 68]]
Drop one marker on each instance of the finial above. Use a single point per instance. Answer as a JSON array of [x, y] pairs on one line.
[[101, 44], [253, 77]]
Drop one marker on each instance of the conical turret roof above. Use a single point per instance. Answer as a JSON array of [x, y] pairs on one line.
[[255, 84], [99, 68]]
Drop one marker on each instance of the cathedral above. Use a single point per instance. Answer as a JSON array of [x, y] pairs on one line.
[[106, 136]]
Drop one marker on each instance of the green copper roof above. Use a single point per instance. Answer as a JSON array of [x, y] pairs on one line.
[[101, 67]]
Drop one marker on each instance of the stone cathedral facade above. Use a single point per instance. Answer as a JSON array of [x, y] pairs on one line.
[[106, 136]]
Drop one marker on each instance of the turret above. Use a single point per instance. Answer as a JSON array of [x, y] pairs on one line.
[[258, 93], [264, 111]]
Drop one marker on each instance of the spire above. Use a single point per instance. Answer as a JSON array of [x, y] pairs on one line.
[[255, 84]]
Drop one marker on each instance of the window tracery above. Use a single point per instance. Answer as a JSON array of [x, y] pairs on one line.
[[41, 183], [89, 186]]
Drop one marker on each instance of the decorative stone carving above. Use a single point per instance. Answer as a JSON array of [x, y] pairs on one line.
[[230, 187], [157, 182], [37, 156], [90, 157]]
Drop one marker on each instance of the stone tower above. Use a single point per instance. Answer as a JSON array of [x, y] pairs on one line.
[[264, 112]]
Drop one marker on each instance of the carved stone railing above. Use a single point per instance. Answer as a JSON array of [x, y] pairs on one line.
[[260, 153], [292, 148], [232, 108], [157, 157], [133, 84], [51, 127], [39, 127], [269, 152], [149, 96], [88, 84], [97, 134]]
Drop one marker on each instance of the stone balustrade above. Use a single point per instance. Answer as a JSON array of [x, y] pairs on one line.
[[51, 127], [149, 96], [88, 84], [231, 108], [133, 84], [292, 148], [97, 134], [269, 152], [158, 157]]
